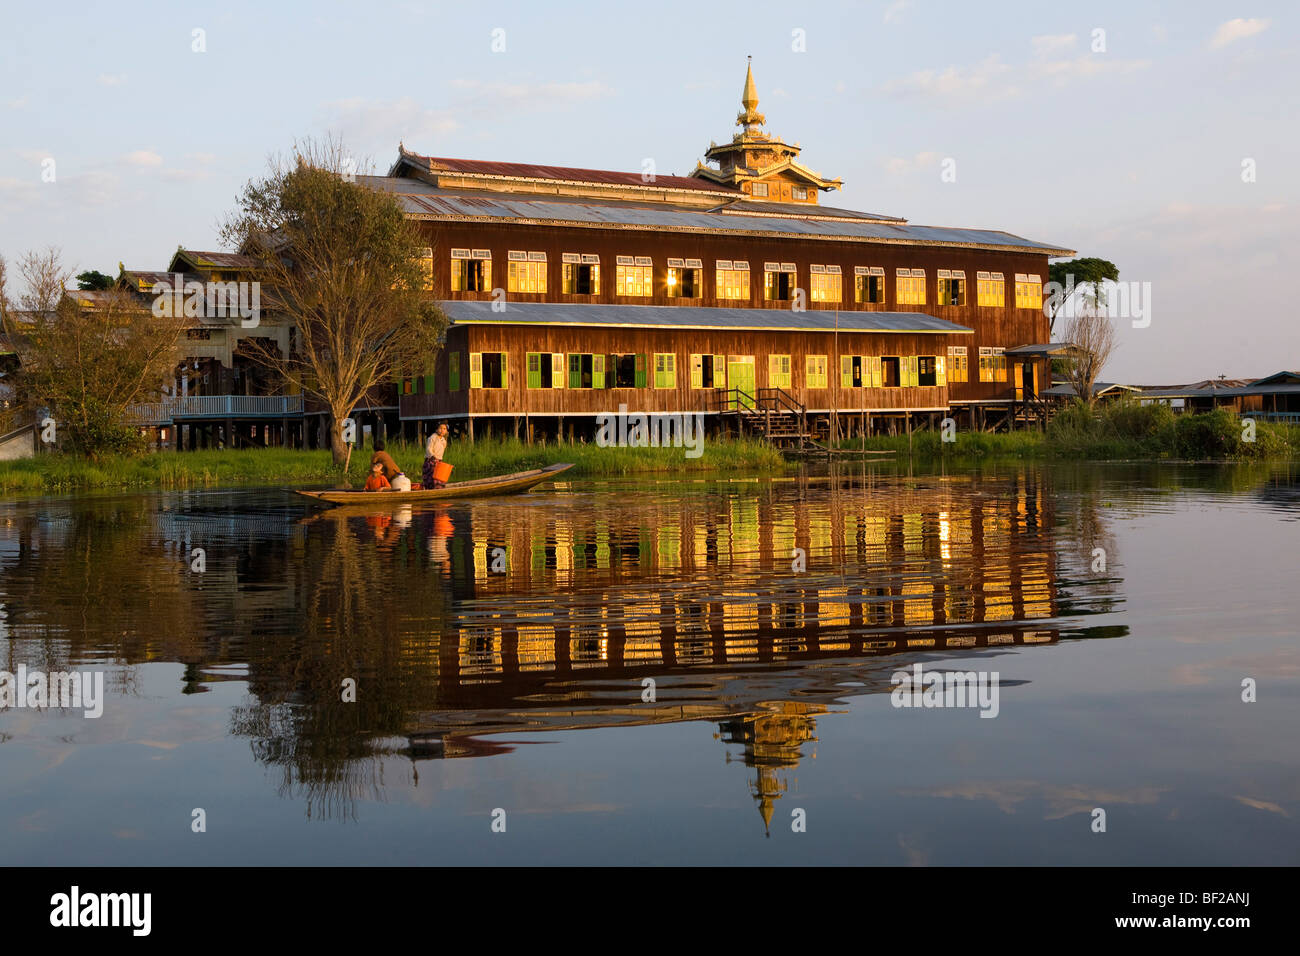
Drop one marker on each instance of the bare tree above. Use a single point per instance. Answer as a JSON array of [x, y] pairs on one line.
[[342, 263], [1092, 333], [88, 357]]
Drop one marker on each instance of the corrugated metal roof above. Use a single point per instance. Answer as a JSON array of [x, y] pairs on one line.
[[1098, 388], [1235, 391], [695, 317], [219, 260], [421, 200], [757, 207], [1046, 348], [567, 173]]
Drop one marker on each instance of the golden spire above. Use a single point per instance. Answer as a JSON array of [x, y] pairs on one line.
[[750, 116]]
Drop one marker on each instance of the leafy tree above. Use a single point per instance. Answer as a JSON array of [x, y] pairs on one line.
[[94, 279], [341, 262], [1087, 273], [89, 364]]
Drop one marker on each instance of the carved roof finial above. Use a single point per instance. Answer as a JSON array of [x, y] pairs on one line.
[[750, 117]]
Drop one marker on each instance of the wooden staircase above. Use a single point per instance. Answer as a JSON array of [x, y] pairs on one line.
[[772, 414]]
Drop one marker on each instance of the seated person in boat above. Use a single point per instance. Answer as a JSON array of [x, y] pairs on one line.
[[377, 481], [434, 449], [396, 478]]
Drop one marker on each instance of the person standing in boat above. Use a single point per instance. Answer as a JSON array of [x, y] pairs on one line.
[[434, 449], [396, 479]]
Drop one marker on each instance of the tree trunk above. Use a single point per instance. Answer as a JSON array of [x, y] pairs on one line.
[[337, 446]]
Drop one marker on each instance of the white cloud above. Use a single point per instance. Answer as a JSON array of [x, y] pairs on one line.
[[34, 155], [18, 103], [374, 122], [991, 79], [1238, 29], [894, 12], [111, 79], [1048, 44], [363, 121], [527, 97], [143, 157], [954, 82], [898, 165]]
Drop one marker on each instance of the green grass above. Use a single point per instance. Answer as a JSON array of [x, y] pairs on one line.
[[206, 469], [1107, 432]]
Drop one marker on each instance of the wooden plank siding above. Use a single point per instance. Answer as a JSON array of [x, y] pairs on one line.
[[518, 399], [1005, 327]]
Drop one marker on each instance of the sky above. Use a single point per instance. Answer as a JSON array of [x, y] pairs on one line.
[[1155, 135]]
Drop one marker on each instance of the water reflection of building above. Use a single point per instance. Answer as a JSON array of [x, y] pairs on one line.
[[697, 589], [560, 614]]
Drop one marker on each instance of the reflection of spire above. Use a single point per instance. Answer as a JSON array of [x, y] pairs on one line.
[[750, 116], [772, 740], [767, 791]]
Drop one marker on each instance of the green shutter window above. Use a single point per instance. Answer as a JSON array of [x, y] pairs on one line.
[[534, 368], [575, 370], [428, 385], [598, 371], [475, 369], [846, 371], [697, 371], [504, 378], [719, 371], [453, 372], [557, 370], [611, 363], [640, 370]]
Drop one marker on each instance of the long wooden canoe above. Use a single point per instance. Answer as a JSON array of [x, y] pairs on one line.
[[478, 488]]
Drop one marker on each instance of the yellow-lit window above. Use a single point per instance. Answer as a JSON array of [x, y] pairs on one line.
[[991, 289], [826, 284], [957, 368], [526, 272], [952, 287], [778, 371], [911, 287], [816, 374], [778, 281], [685, 278], [868, 284], [580, 274], [426, 268], [1029, 292], [471, 270], [732, 279], [993, 365], [634, 276]]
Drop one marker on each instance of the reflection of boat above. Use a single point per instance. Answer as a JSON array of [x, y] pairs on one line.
[[478, 488]]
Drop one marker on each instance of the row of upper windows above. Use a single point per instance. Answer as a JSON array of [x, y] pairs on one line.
[[597, 370], [471, 271]]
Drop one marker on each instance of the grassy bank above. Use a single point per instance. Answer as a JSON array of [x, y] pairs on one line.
[[1121, 430], [199, 469]]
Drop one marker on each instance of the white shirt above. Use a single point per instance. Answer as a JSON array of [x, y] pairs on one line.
[[436, 447]]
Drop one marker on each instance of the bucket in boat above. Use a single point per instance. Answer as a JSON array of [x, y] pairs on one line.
[[441, 471]]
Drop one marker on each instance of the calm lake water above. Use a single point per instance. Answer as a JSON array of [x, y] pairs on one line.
[[500, 651]]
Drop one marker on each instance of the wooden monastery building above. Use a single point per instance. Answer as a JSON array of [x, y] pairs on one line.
[[732, 291]]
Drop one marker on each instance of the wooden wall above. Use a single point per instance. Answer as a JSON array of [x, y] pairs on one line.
[[1006, 327], [518, 399]]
